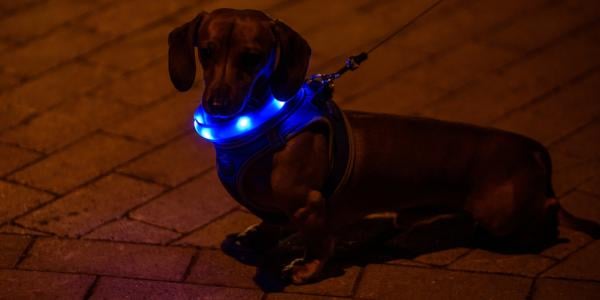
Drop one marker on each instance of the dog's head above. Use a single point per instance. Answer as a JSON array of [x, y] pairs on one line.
[[244, 55]]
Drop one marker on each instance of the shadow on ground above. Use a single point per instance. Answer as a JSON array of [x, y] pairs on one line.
[[373, 240]]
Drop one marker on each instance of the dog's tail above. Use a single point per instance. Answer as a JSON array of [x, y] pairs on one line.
[[553, 207], [588, 227]]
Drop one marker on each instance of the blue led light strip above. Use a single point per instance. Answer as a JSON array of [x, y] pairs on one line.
[[220, 131]]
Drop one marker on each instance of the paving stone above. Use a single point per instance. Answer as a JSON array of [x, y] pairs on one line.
[[11, 248], [12, 229], [162, 121], [136, 50], [214, 233], [569, 172], [6, 80], [583, 143], [337, 286], [582, 205], [47, 91], [517, 84], [583, 264], [186, 15], [39, 19], [108, 258], [188, 206], [539, 27], [15, 284], [119, 288], [11, 6], [486, 261], [565, 289], [59, 46], [17, 200], [407, 263], [571, 241], [592, 186], [551, 119], [395, 282], [65, 123], [82, 162], [142, 87], [431, 35], [132, 231], [178, 161], [403, 97], [118, 19], [18, 158], [466, 62], [290, 296], [213, 267], [91, 206], [339, 37], [441, 258]]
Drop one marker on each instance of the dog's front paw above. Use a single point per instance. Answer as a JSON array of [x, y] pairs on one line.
[[301, 271]]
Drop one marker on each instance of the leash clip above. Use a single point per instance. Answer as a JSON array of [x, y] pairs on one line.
[[352, 63]]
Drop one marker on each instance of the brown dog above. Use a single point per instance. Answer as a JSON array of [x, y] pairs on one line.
[[500, 179]]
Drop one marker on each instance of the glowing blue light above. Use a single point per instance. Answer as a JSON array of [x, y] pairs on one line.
[[279, 104], [220, 130], [243, 123], [207, 133], [199, 118]]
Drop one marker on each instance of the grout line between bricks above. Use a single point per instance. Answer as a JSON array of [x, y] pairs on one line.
[[92, 288], [531, 290], [500, 69], [168, 190], [96, 178], [572, 133], [549, 93], [151, 224], [20, 8], [25, 252], [357, 282], [186, 234], [56, 27], [131, 278], [445, 50], [188, 269]]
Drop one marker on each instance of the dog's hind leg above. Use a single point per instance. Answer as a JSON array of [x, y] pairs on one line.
[[515, 214]]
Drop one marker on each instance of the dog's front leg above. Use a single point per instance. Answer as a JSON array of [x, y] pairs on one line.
[[311, 221]]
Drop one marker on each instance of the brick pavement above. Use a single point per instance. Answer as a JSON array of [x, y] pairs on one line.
[[106, 192]]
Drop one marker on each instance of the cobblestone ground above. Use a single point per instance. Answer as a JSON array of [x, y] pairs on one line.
[[106, 192]]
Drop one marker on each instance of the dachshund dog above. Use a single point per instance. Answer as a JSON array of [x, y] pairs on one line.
[[500, 180]]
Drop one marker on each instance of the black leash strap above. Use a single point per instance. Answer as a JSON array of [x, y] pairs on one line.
[[353, 62]]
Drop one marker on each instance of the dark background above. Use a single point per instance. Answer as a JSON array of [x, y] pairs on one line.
[[106, 191]]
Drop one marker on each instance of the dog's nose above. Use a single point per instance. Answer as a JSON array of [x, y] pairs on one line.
[[218, 102], [217, 106]]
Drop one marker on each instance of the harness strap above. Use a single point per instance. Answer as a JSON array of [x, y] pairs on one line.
[[233, 162]]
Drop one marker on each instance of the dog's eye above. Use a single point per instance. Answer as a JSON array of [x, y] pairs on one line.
[[250, 60], [205, 53]]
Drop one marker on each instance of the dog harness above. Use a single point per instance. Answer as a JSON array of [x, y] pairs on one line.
[[245, 139]]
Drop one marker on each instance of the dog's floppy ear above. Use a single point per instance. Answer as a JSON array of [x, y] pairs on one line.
[[294, 55], [182, 61]]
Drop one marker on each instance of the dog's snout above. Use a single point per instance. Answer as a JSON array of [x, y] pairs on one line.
[[219, 101]]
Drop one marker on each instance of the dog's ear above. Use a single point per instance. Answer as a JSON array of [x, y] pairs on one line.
[[182, 60], [294, 55]]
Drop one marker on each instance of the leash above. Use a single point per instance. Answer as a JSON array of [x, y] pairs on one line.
[[353, 62]]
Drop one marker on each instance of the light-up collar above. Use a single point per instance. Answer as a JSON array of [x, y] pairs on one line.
[[217, 131]]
